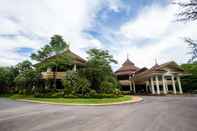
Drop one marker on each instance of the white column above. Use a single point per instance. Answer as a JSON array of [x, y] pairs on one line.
[[75, 67], [179, 83], [134, 87], [49, 69], [46, 84], [147, 86], [130, 83], [164, 85], [152, 85], [173, 84], [157, 84]]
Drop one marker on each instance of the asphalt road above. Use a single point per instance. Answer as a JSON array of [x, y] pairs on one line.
[[153, 114]]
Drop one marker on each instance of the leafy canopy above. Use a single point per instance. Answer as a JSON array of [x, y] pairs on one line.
[[100, 56], [24, 65], [193, 47], [190, 82], [7, 76], [52, 54], [56, 46], [98, 67], [74, 84], [26, 79], [188, 10]]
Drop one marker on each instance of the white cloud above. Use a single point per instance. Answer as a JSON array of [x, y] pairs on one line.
[[43, 19], [158, 25], [153, 22], [115, 5], [28, 22]]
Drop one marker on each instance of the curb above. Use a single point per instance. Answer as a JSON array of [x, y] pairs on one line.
[[135, 99]]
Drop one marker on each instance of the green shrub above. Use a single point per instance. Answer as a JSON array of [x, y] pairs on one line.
[[82, 86], [26, 80], [189, 83], [117, 92], [92, 93], [126, 92], [68, 82], [7, 76], [107, 87], [75, 85]]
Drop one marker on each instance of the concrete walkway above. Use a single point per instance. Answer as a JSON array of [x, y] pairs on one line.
[[153, 114]]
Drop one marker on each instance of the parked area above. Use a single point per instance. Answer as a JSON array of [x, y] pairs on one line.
[[153, 114]]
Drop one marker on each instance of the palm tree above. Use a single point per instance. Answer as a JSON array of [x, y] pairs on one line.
[[58, 45]]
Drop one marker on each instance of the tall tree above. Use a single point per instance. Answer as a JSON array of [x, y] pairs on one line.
[[7, 76], [188, 10], [193, 46], [58, 44], [102, 56], [24, 65], [42, 54], [190, 82], [55, 47], [189, 13], [98, 67]]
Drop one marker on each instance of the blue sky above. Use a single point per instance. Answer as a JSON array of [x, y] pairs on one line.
[[143, 29]]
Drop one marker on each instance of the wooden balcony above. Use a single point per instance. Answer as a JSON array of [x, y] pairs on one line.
[[51, 75]]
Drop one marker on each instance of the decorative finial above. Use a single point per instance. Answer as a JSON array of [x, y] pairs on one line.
[[127, 56], [156, 61]]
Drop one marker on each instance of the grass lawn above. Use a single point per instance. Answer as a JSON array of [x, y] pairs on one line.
[[100, 100]]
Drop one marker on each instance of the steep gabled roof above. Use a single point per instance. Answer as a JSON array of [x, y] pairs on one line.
[[159, 69], [76, 58], [127, 68], [171, 64], [141, 70]]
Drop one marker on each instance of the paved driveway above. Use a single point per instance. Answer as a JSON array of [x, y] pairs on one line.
[[153, 114]]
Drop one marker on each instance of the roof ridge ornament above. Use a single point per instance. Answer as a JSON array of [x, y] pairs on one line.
[[127, 56], [156, 61]]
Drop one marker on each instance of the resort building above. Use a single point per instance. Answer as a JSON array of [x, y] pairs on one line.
[[77, 62], [160, 79]]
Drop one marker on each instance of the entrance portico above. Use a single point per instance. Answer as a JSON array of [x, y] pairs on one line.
[[164, 81], [161, 79]]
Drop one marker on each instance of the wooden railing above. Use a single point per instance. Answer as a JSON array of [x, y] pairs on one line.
[[52, 75]]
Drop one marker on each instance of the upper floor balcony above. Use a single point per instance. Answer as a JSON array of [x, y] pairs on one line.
[[52, 75]]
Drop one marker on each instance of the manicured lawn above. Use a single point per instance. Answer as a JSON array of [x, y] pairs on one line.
[[101, 100]]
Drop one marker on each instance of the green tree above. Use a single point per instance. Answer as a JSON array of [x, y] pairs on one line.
[[98, 67], [7, 76], [190, 81], [188, 10], [42, 54], [193, 46], [107, 87], [74, 84], [26, 80], [24, 65], [56, 46]]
